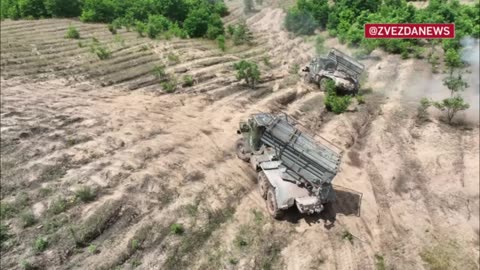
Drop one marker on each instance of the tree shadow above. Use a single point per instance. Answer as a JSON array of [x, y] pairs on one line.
[[348, 203]]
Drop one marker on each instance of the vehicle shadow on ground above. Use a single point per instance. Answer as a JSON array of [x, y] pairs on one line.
[[348, 203]]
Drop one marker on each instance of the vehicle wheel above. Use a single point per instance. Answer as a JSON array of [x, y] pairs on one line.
[[263, 184], [241, 150], [323, 84], [272, 206]]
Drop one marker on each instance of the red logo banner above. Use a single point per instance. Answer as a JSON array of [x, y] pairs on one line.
[[409, 30]]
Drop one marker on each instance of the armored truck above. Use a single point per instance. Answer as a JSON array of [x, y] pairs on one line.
[[293, 168], [338, 67]]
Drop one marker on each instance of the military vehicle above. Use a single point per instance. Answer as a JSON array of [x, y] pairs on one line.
[[338, 67], [293, 168]]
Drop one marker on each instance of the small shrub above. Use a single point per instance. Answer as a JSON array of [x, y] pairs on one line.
[[159, 71], [28, 219], [233, 261], [173, 58], [230, 30], [40, 244], [7, 210], [360, 99], [247, 71], [112, 29], [294, 68], [320, 45], [72, 33], [242, 35], [134, 245], [92, 249], [177, 229], [422, 113], [57, 206], [404, 55], [4, 235], [141, 29], [346, 235], [335, 103], [80, 44], [26, 265], [169, 86], [187, 81], [103, 52], [266, 61], [379, 262], [86, 194], [221, 42], [156, 25]]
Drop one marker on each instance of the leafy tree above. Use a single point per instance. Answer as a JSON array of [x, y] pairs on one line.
[[247, 71], [63, 8], [455, 103], [32, 8], [141, 28], [300, 22], [215, 27], [175, 10], [196, 23], [242, 34], [451, 106], [452, 60], [98, 11], [156, 25]]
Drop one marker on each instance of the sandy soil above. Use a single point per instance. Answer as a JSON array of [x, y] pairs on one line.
[[406, 189]]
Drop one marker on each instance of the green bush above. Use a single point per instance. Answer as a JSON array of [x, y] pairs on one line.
[[85, 194], [28, 219], [187, 81], [40, 244], [156, 25], [72, 32], [247, 71], [159, 71], [196, 23], [221, 42], [140, 28], [57, 206], [335, 103], [215, 27], [177, 229], [169, 86], [241, 34]]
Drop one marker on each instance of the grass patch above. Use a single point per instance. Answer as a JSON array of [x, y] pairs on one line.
[[173, 58], [187, 81], [40, 244], [92, 249], [72, 33], [379, 262], [447, 255], [4, 235], [169, 86], [182, 254], [54, 223], [28, 219], [57, 206], [177, 229], [53, 172], [159, 71], [346, 235], [86, 194]]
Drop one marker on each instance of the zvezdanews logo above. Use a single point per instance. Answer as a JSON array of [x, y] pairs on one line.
[[410, 30]]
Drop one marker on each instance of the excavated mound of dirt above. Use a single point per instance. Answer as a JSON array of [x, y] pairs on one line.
[[73, 125]]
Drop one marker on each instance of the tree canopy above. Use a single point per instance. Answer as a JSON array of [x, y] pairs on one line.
[[197, 18]]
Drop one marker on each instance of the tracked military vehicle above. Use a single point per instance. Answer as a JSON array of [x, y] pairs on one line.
[[338, 67], [293, 167]]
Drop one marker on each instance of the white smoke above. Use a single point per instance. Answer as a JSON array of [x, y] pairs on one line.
[[471, 56]]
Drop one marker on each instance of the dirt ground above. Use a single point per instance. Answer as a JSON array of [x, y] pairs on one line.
[[408, 190]]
